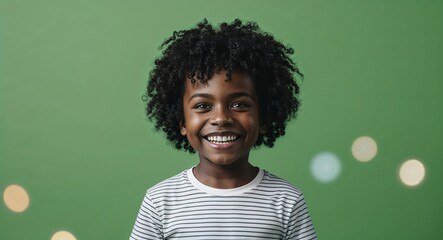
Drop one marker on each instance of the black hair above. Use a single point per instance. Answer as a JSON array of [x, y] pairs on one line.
[[200, 52]]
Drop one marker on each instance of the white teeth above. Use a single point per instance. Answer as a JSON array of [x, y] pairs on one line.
[[222, 139]]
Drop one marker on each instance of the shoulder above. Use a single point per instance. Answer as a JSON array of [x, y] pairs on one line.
[[278, 186], [173, 189], [169, 184]]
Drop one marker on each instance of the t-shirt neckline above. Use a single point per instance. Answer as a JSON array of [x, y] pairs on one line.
[[224, 192]]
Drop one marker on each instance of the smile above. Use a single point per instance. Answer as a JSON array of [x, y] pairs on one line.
[[222, 139]]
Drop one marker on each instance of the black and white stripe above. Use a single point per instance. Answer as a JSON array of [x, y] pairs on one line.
[[183, 208]]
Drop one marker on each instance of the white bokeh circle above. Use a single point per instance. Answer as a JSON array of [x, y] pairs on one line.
[[412, 172], [325, 167], [16, 198], [63, 235], [364, 148]]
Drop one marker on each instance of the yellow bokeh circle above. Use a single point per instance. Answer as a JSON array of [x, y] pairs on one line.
[[412, 172], [16, 198], [364, 149], [63, 235]]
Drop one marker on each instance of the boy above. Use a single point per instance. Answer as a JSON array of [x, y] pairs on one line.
[[220, 92]]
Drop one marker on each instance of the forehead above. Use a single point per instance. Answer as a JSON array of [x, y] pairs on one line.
[[219, 84]]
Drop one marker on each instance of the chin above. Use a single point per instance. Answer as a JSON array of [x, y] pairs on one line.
[[225, 161], [223, 158]]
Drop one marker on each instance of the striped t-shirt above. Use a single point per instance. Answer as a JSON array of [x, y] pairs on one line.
[[181, 207]]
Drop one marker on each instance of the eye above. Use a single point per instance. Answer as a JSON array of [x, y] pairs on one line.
[[240, 106], [202, 106]]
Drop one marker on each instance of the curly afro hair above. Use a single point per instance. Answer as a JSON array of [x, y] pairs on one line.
[[200, 52]]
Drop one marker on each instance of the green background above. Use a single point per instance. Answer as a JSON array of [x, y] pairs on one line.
[[74, 135]]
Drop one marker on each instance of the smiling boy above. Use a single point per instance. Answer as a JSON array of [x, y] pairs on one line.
[[221, 122], [221, 92]]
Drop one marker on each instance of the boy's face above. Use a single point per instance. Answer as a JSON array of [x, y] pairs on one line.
[[221, 118]]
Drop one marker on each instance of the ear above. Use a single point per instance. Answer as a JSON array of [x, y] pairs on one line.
[[183, 127], [263, 128]]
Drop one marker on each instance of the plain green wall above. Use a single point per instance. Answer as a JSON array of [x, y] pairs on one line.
[[73, 131]]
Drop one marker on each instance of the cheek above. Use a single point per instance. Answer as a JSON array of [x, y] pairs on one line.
[[194, 124], [251, 123]]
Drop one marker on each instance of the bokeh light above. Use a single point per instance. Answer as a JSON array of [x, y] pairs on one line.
[[325, 167], [63, 235], [412, 172], [364, 149], [16, 198]]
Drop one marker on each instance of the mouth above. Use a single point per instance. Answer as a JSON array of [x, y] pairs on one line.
[[222, 138]]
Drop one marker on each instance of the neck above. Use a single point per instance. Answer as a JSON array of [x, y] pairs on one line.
[[233, 175]]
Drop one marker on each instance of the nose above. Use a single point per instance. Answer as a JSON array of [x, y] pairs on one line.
[[221, 116]]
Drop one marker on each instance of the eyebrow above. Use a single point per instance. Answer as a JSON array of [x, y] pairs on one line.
[[232, 95]]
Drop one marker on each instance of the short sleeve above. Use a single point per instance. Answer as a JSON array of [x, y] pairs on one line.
[[300, 226], [148, 223]]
